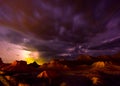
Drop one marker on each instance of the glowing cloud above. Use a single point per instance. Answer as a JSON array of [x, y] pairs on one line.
[[32, 56], [25, 54]]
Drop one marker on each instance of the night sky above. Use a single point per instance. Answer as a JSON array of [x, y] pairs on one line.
[[45, 29]]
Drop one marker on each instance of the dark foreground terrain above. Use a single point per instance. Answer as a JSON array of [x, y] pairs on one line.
[[84, 71]]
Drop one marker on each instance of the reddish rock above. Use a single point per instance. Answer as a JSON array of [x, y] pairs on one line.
[[49, 74], [18, 66], [1, 62]]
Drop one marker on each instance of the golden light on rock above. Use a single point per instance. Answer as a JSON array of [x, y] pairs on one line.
[[29, 60]]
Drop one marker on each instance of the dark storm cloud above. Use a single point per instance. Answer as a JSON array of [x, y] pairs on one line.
[[11, 36], [45, 47], [74, 21], [51, 26], [109, 45]]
